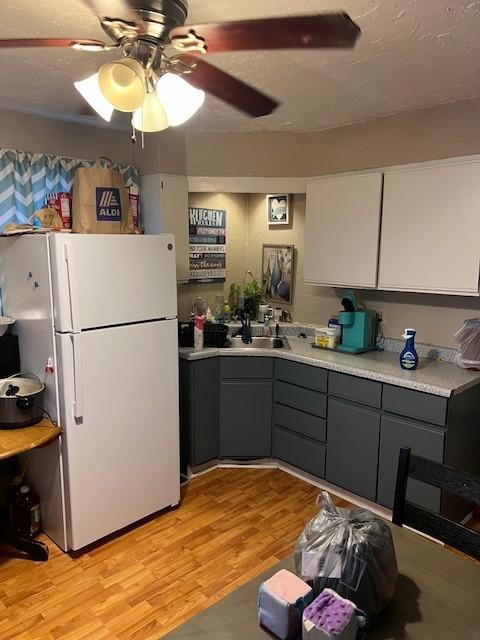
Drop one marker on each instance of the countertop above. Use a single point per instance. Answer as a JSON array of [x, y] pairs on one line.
[[438, 378]]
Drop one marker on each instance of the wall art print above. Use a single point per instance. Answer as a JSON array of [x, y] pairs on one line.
[[278, 208], [207, 248], [277, 272]]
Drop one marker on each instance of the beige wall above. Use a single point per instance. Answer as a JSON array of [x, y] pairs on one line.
[[426, 134], [310, 304], [236, 206], [429, 134], [164, 152], [45, 135], [435, 317]]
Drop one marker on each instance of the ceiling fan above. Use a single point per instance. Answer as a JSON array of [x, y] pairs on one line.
[[162, 88]]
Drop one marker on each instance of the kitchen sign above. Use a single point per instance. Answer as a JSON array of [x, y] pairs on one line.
[[207, 251]]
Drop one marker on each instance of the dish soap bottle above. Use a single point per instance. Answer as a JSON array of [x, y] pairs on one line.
[[199, 325], [409, 357]]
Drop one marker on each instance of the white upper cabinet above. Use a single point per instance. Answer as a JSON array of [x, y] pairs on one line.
[[342, 230], [430, 239], [164, 209]]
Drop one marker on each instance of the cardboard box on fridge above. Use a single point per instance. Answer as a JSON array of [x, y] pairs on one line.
[[134, 204], [61, 201]]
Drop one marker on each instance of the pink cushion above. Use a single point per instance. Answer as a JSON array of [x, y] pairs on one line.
[[287, 586]]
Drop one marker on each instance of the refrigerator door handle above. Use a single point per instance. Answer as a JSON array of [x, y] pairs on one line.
[[77, 376], [72, 286]]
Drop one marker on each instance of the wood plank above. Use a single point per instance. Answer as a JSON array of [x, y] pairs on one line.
[[436, 597], [156, 575], [454, 481], [15, 441], [232, 525], [443, 529]]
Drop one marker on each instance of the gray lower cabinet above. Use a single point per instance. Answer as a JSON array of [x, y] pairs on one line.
[[353, 433], [426, 441], [341, 427], [245, 419], [199, 387]]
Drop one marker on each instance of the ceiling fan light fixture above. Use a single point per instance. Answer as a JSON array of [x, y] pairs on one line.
[[90, 91], [180, 100], [151, 116], [122, 83]]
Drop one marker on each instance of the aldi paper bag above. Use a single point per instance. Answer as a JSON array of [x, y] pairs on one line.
[[100, 202]]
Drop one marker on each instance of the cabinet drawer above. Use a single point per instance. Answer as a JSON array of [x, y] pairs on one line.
[[246, 367], [415, 404], [301, 374], [303, 423], [300, 398], [301, 452], [357, 389]]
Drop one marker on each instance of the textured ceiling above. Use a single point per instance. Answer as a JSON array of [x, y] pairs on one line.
[[412, 54]]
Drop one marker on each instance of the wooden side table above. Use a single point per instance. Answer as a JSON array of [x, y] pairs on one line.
[[13, 442]]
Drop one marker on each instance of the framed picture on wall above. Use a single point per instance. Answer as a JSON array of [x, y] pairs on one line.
[[278, 208], [277, 272]]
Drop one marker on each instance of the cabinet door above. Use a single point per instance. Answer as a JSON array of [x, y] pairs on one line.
[[431, 229], [424, 441], [164, 209], [245, 418], [342, 229], [352, 447], [199, 411]]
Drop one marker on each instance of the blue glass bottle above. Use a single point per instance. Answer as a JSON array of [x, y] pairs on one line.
[[409, 356]]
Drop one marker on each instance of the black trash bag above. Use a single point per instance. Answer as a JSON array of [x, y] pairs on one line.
[[350, 551]]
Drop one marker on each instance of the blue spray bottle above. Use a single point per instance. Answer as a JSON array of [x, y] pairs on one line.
[[409, 357]]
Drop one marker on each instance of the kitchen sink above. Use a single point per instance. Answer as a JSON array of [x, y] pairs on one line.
[[260, 342]]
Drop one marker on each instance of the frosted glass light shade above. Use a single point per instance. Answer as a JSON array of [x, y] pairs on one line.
[[151, 115], [180, 99], [90, 91], [122, 83]]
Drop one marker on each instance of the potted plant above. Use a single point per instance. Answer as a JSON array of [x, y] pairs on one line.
[[253, 295]]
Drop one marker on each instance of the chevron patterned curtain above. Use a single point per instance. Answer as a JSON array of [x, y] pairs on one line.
[[25, 179]]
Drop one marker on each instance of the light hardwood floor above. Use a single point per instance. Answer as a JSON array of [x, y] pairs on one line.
[[232, 525]]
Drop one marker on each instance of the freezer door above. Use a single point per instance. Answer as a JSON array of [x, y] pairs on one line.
[[119, 411], [106, 280]]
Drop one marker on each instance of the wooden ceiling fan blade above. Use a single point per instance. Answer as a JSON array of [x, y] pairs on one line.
[[329, 30], [21, 43], [224, 86], [117, 10]]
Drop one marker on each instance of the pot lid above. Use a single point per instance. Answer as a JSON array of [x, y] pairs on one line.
[[20, 386]]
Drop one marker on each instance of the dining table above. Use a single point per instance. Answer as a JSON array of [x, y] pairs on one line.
[[437, 597]]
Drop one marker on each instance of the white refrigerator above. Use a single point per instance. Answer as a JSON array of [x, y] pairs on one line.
[[101, 310]]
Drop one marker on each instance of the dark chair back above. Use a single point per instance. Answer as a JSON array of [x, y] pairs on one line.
[[448, 479]]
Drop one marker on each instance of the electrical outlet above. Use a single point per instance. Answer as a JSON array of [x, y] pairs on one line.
[[382, 316]]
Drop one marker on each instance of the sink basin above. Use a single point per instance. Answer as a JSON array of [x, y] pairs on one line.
[[260, 342]]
